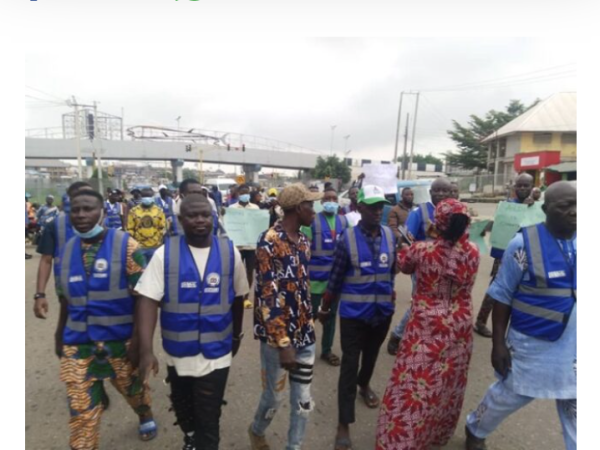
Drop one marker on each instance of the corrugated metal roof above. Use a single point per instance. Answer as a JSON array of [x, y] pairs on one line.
[[558, 113], [563, 167]]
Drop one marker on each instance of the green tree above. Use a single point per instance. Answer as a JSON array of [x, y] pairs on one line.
[[190, 173], [427, 159], [472, 154], [331, 167]]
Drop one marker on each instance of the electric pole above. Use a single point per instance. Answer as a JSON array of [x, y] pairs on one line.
[[405, 145], [100, 183], [332, 131], [77, 139], [412, 145], [398, 130]]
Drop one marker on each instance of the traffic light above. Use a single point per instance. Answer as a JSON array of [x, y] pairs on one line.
[[90, 125], [243, 147], [188, 148]]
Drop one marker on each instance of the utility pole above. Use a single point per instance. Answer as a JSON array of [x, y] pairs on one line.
[[405, 145], [200, 161], [332, 131], [100, 183], [398, 131], [412, 145], [346, 143], [77, 139]]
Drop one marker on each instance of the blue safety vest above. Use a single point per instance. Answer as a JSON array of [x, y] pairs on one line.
[[63, 232], [542, 305], [196, 312], [100, 306], [368, 286], [113, 215], [323, 246]]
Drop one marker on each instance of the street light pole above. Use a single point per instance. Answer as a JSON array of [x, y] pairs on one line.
[[412, 145], [405, 143], [77, 139], [333, 127], [398, 129], [346, 143], [178, 119]]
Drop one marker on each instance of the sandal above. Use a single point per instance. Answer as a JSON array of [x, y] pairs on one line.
[[342, 444], [148, 430], [332, 359], [370, 398]]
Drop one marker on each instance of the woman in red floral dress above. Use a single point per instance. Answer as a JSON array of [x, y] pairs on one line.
[[424, 396]]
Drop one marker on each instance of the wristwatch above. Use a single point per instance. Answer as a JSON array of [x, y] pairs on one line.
[[39, 295], [238, 338]]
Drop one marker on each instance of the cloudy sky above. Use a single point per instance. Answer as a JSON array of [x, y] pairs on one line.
[[295, 90]]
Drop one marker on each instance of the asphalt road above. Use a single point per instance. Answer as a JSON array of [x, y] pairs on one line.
[[534, 427]]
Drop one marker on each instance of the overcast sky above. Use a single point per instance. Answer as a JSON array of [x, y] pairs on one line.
[[295, 90]]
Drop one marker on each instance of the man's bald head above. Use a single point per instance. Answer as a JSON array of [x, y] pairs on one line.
[[523, 186], [193, 199], [560, 206], [558, 191], [440, 190]]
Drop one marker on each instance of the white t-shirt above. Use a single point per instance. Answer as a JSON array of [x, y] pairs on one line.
[[152, 285]]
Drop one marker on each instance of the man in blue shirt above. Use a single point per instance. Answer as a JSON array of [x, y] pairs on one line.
[[523, 189], [536, 290], [420, 225]]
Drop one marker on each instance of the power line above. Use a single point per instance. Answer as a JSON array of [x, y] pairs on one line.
[[45, 93], [44, 100], [551, 70]]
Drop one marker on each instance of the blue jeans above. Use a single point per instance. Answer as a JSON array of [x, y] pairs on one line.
[[500, 402], [273, 380], [398, 330]]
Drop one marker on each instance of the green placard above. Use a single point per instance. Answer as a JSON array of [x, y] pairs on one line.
[[243, 226], [510, 217], [475, 235]]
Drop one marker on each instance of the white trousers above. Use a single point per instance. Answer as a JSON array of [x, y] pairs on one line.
[[500, 402]]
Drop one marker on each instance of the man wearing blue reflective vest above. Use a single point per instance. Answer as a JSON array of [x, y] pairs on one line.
[[323, 233], [199, 281], [536, 290], [421, 226], [523, 190], [54, 238], [113, 208], [362, 276], [95, 336]]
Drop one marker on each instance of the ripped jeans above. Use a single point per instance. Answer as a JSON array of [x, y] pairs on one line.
[[273, 382]]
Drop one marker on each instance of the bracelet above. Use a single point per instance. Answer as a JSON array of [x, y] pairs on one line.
[[39, 295], [238, 338], [322, 311]]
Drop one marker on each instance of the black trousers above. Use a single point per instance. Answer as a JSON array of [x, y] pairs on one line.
[[197, 404], [249, 258], [358, 338]]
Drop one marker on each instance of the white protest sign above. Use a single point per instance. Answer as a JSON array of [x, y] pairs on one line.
[[382, 175]]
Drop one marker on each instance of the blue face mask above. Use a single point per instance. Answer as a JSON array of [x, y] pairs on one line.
[[91, 233], [330, 207], [245, 198], [147, 201]]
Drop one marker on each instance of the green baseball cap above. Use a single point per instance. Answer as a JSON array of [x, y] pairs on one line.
[[371, 194]]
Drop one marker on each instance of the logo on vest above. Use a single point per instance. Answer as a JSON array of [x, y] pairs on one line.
[[557, 274], [189, 285], [383, 259], [101, 265], [75, 279], [212, 282]]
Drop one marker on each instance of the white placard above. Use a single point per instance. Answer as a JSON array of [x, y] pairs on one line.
[[382, 175]]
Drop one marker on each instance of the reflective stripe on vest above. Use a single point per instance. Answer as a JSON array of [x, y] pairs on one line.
[[95, 306], [368, 289], [530, 315]]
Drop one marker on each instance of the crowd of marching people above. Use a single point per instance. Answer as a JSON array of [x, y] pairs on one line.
[[122, 266]]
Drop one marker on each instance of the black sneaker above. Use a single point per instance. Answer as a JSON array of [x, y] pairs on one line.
[[188, 442], [393, 344]]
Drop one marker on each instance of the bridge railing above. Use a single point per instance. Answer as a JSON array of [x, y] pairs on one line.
[[217, 137]]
